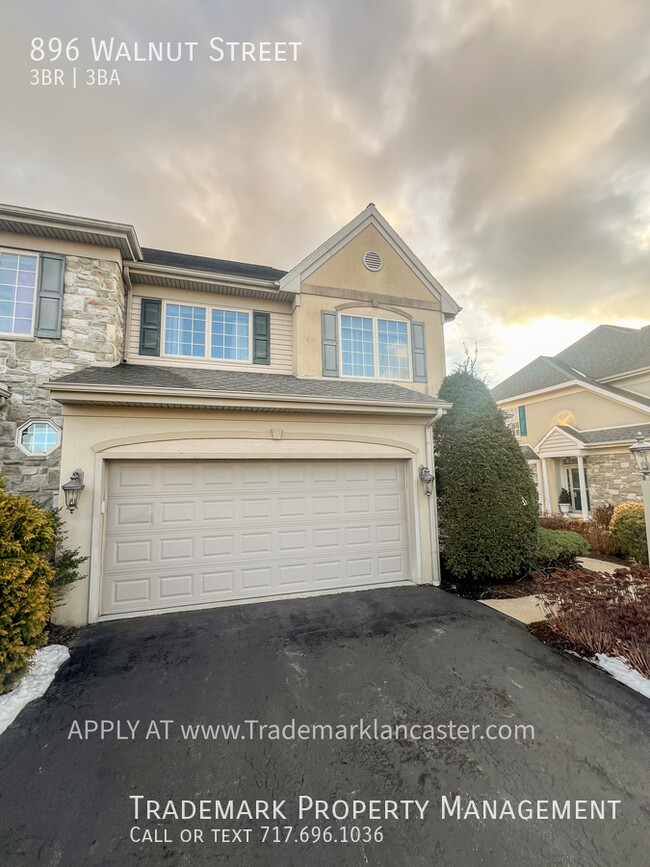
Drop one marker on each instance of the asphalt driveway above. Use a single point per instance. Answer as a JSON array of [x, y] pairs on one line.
[[414, 656]]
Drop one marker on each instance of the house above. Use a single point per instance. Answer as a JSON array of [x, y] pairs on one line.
[[577, 413], [244, 433]]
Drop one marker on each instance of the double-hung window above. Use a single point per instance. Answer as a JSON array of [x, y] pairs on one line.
[[185, 330], [230, 335], [357, 346], [375, 348], [17, 292], [207, 332]]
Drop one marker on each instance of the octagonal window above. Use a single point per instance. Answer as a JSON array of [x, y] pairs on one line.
[[38, 437]]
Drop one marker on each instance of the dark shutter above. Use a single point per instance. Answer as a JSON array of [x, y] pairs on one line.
[[261, 338], [523, 427], [150, 310], [419, 352], [329, 340], [49, 298]]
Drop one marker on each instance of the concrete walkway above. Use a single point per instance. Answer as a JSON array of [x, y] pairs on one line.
[[525, 609], [597, 565]]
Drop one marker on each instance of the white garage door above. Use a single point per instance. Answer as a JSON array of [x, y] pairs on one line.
[[182, 533]]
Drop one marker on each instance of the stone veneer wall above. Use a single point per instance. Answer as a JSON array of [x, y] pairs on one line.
[[614, 479], [92, 333]]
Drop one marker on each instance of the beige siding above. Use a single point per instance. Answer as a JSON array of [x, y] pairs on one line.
[[558, 444], [281, 331]]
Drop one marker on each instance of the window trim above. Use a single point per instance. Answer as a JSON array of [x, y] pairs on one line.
[[19, 435], [207, 356], [375, 348], [11, 335]]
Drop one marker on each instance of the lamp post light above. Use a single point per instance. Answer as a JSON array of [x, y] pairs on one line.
[[641, 452]]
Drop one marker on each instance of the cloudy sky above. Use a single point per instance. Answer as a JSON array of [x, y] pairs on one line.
[[507, 141]]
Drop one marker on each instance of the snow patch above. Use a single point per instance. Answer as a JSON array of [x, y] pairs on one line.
[[620, 670], [35, 683]]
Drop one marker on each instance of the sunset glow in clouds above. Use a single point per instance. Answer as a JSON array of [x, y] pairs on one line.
[[507, 142]]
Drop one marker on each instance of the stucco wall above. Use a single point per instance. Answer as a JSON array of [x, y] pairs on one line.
[[577, 408], [639, 384], [94, 434], [343, 279], [92, 333]]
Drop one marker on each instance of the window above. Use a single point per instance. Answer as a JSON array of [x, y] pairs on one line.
[[357, 351], [185, 330], [511, 424], [17, 292], [375, 347], [230, 335], [38, 437], [393, 347], [206, 332]]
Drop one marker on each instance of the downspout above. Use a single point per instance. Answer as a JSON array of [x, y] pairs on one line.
[[433, 502]]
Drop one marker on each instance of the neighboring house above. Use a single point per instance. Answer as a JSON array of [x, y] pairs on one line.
[[245, 433], [576, 415]]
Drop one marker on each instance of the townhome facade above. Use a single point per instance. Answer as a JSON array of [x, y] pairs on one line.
[[244, 433], [577, 413]]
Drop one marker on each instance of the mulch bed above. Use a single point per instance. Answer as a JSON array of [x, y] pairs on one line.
[[543, 632], [61, 634]]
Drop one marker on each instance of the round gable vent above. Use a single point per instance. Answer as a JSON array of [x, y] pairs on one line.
[[372, 261]]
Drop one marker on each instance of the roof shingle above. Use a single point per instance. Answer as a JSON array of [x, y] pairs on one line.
[[189, 262], [244, 382], [606, 351]]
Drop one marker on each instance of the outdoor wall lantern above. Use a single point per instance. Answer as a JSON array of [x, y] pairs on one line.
[[641, 452], [73, 489], [426, 476]]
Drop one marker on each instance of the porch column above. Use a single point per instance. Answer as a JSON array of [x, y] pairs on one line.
[[583, 488], [546, 493]]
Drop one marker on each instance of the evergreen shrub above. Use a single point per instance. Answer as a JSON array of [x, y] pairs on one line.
[[486, 494]]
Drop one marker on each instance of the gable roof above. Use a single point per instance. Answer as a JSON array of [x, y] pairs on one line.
[[370, 216], [124, 379], [605, 435], [583, 441], [603, 349], [169, 259], [609, 350]]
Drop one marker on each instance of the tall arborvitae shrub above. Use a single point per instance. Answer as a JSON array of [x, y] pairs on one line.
[[487, 498], [27, 534]]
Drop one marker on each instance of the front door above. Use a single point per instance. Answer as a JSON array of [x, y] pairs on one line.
[[576, 497]]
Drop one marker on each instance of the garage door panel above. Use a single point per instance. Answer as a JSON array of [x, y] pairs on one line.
[[220, 583], [178, 512], [177, 587], [274, 527]]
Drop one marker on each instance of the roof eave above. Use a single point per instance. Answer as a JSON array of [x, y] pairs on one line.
[[29, 220], [141, 272], [79, 393]]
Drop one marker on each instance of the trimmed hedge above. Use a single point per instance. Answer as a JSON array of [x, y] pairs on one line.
[[601, 540], [27, 535], [628, 527], [559, 548], [486, 493]]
